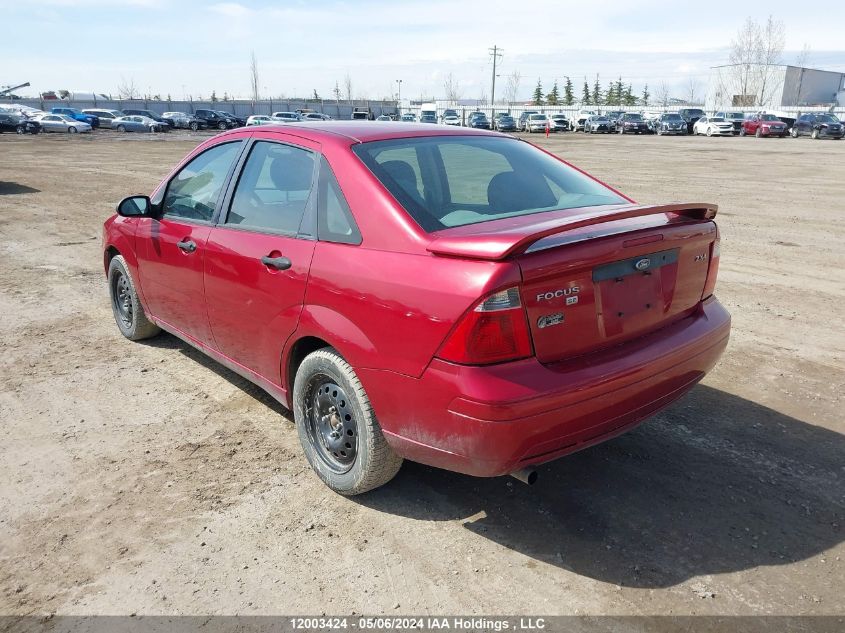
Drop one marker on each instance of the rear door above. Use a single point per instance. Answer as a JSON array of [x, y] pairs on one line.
[[259, 254], [172, 248]]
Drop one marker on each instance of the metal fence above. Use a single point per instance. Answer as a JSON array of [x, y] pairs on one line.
[[335, 109]]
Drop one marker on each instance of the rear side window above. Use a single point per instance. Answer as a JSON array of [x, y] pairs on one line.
[[192, 194], [448, 181], [335, 221], [273, 189]]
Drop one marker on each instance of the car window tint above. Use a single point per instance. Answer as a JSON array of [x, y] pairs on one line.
[[193, 192], [403, 167], [470, 170], [273, 189], [336, 223]]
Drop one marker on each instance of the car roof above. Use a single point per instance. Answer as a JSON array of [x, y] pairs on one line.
[[366, 131]]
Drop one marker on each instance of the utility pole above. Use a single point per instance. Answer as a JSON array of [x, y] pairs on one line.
[[496, 52], [399, 96]]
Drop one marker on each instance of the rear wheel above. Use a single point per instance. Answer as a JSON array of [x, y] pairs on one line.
[[126, 307], [337, 427]]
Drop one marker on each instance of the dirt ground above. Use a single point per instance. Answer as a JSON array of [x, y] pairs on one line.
[[144, 478]]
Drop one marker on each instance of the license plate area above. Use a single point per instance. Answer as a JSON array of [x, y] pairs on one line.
[[633, 294]]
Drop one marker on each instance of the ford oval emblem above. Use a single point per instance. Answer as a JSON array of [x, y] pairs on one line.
[[643, 264]]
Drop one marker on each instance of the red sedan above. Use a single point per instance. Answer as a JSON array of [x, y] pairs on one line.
[[455, 297]]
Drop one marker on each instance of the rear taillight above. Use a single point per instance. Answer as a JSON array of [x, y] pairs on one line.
[[493, 331], [713, 269]]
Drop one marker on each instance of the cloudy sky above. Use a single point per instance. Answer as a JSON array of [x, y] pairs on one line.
[[180, 47]]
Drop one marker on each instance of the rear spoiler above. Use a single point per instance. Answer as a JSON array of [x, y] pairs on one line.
[[496, 243]]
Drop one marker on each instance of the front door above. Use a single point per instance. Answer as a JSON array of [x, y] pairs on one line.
[[172, 249], [258, 258]]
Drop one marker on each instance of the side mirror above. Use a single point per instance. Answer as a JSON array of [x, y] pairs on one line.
[[135, 207]]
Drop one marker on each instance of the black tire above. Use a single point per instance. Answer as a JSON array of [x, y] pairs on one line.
[[709, 131], [121, 128], [20, 129], [325, 381], [759, 132], [194, 126], [72, 130], [126, 307], [815, 135], [221, 126], [742, 131], [794, 132]]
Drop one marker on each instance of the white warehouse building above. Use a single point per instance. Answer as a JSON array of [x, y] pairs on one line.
[[773, 87]]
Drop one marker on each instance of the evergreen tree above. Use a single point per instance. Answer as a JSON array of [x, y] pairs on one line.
[[538, 93], [213, 96], [628, 96], [553, 98], [225, 96], [568, 97], [646, 95], [585, 96], [168, 97], [619, 90], [610, 96], [597, 92]]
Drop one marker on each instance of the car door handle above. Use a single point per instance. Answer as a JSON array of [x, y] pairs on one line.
[[279, 263], [188, 246]]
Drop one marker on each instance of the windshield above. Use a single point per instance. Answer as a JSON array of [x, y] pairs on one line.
[[633, 117], [735, 115], [448, 181], [672, 117], [716, 119], [769, 117], [825, 118], [538, 117]]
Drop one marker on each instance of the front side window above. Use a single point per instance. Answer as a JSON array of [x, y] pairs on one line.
[[192, 194], [273, 188], [447, 181]]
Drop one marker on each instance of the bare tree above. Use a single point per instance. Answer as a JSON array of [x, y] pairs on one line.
[[512, 86], [126, 89], [662, 94], [803, 58], [452, 89], [347, 84], [693, 90], [482, 98], [743, 56], [769, 57], [253, 76]]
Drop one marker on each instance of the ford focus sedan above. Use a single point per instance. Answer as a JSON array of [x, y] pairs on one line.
[[454, 297]]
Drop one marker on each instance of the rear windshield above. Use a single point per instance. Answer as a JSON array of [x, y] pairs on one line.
[[448, 181]]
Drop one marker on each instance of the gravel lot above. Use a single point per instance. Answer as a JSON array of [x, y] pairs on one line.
[[144, 478]]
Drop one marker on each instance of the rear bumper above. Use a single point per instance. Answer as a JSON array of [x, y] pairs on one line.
[[489, 421]]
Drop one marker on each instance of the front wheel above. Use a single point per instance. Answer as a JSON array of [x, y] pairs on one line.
[[759, 133], [742, 131], [20, 129], [121, 128], [794, 133], [337, 427], [221, 126], [72, 130], [815, 135], [194, 126], [126, 307], [710, 131]]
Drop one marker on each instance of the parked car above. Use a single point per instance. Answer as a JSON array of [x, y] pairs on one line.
[[580, 117], [523, 118], [10, 122], [62, 123], [632, 123], [691, 115], [478, 120], [818, 126], [598, 124], [164, 124], [383, 117], [362, 114], [451, 119], [184, 121], [504, 123], [560, 122], [239, 120], [213, 119], [427, 117], [286, 117], [713, 126], [77, 115], [409, 118], [138, 123], [319, 116], [448, 112], [105, 117], [734, 117], [260, 119], [669, 123], [763, 125], [534, 327], [614, 116]]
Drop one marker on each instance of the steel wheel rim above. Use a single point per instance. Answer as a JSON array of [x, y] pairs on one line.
[[331, 423], [122, 299]]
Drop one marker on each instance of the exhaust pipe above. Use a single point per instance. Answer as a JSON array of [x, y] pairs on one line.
[[525, 475]]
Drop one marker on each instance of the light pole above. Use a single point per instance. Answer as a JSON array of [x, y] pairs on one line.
[[399, 96]]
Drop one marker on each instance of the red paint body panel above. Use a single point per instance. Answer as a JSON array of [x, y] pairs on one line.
[[388, 303]]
